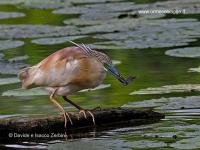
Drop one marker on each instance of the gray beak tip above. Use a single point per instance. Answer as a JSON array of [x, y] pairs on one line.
[[129, 79]]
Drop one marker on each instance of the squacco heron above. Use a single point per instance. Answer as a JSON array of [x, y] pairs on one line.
[[70, 70]]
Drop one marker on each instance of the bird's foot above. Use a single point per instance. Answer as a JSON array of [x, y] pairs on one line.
[[67, 115], [84, 111]]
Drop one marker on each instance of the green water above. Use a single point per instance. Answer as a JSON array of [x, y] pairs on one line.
[[150, 65]]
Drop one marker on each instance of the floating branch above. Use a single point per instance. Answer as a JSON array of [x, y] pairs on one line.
[[105, 119]]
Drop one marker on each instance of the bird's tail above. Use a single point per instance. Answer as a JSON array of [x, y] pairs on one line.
[[24, 75]]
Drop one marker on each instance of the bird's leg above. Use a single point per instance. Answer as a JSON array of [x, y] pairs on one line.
[[61, 109], [81, 110]]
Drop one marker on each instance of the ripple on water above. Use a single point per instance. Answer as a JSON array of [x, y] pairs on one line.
[[190, 143], [18, 58], [55, 40], [41, 91], [4, 15], [169, 104], [11, 67], [8, 44], [140, 33], [25, 146], [99, 144], [35, 31], [4, 81], [190, 52], [8, 116], [194, 69], [168, 89]]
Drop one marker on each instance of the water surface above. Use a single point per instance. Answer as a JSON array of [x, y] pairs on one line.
[[138, 42]]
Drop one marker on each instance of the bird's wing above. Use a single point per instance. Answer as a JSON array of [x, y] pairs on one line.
[[59, 68]]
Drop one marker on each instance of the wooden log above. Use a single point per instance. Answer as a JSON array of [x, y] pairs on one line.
[[105, 119]]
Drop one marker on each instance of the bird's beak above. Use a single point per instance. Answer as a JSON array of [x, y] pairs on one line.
[[117, 75]]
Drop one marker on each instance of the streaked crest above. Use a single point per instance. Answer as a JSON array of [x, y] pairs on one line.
[[103, 58]]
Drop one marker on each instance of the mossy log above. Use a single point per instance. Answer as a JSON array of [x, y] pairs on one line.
[[105, 119]]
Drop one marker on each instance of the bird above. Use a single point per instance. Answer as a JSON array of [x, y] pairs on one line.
[[68, 71]]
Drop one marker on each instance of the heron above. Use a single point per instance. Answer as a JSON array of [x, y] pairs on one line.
[[68, 71]]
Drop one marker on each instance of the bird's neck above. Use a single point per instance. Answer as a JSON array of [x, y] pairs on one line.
[[101, 57]]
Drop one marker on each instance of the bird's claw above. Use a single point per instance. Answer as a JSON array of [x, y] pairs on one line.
[[85, 116], [67, 115]]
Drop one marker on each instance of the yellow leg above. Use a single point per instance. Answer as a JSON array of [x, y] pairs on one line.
[[60, 108], [81, 110]]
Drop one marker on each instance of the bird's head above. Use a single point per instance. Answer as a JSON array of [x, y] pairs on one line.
[[107, 62]]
